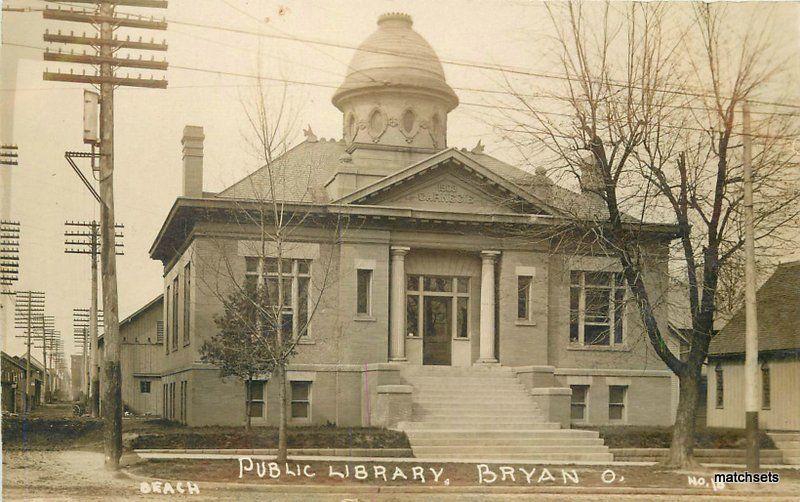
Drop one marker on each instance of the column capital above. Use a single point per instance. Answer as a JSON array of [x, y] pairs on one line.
[[399, 251], [490, 255]]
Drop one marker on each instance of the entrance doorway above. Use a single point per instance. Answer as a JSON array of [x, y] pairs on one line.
[[437, 337]]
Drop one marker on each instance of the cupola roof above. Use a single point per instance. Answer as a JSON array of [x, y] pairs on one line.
[[395, 57]]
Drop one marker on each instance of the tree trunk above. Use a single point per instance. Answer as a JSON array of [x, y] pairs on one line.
[[247, 404], [282, 450], [681, 452]]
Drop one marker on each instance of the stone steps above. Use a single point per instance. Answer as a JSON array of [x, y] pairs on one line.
[[457, 435], [509, 449], [789, 445], [477, 425], [486, 413]]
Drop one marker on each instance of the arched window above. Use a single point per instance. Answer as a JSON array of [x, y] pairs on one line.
[[720, 386], [766, 400]]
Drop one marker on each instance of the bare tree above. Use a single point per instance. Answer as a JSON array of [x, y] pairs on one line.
[[276, 210], [644, 119]]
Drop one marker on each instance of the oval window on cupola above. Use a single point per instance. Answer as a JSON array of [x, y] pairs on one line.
[[377, 123], [408, 119]]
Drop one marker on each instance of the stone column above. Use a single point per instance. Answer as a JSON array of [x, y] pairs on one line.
[[487, 354], [397, 304]]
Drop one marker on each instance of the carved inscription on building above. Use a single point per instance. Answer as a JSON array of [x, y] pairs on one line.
[[446, 193]]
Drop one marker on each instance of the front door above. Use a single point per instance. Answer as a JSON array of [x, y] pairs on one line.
[[437, 330]]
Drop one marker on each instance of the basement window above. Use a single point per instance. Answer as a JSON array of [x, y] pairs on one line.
[[578, 402], [255, 391], [616, 402], [301, 400]]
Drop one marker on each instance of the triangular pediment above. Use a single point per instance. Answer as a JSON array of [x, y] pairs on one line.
[[448, 181]]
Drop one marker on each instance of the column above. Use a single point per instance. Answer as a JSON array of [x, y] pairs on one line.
[[487, 354], [397, 304]]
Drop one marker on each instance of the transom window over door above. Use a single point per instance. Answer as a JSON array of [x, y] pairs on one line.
[[597, 302], [296, 277], [456, 289]]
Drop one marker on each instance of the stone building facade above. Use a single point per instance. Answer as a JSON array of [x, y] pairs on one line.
[[409, 255]]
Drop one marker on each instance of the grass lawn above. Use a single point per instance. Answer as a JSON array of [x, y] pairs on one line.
[[632, 436]]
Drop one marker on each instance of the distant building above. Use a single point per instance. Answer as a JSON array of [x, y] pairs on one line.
[[77, 377], [142, 335], [13, 377], [778, 311]]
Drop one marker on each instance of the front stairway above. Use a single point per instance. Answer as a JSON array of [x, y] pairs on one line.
[[485, 413]]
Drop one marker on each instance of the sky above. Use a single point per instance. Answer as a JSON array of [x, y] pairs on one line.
[[46, 117]]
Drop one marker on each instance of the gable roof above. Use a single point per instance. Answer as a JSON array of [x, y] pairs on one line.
[[425, 165], [778, 311]]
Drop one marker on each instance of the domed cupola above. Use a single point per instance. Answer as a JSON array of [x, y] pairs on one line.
[[395, 93]]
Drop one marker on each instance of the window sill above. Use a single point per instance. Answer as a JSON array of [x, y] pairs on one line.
[[306, 342], [599, 348], [525, 322], [462, 338], [363, 318], [414, 337]]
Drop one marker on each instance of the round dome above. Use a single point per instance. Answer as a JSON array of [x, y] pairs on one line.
[[395, 57]]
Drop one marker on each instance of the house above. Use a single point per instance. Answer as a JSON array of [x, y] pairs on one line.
[[436, 283], [142, 335], [13, 384], [14, 369], [778, 313]]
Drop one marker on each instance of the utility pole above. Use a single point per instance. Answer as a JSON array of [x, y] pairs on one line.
[[28, 306], [83, 237], [44, 331], [105, 17], [83, 334], [751, 404], [9, 272]]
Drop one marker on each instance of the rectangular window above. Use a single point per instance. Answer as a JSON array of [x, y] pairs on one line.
[[454, 289], [165, 413], [256, 396], [524, 297], [720, 387], [364, 292], [596, 301], [187, 302], [578, 402], [616, 402], [766, 398], [184, 400], [250, 273], [301, 399], [175, 313], [159, 331], [167, 300], [295, 276], [144, 386], [412, 315], [462, 317]]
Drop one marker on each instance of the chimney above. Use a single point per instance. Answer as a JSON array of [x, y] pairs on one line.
[[192, 142], [591, 179]]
